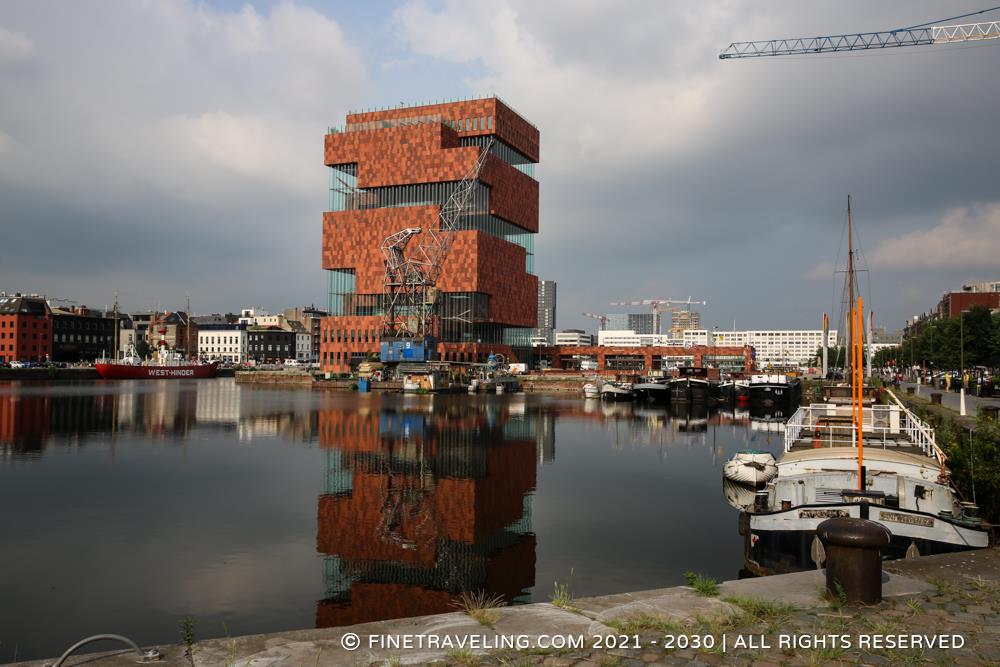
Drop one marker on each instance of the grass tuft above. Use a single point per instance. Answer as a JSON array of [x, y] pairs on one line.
[[481, 606], [463, 657], [562, 594], [701, 584], [941, 586], [913, 604], [759, 609], [635, 624], [838, 599]]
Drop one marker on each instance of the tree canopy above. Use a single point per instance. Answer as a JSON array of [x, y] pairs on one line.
[[941, 343]]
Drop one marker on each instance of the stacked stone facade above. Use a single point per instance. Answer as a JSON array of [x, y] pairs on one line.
[[416, 146]]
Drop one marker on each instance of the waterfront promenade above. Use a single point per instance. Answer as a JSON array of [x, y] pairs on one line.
[[780, 620], [950, 403], [951, 399]]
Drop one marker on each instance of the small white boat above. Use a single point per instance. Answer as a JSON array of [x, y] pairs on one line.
[[591, 391], [751, 467]]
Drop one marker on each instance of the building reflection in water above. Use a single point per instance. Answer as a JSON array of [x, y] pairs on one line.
[[426, 497], [33, 417]]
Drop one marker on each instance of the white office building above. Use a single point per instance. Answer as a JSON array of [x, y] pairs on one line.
[[788, 347], [629, 338], [692, 337], [223, 344], [577, 337]]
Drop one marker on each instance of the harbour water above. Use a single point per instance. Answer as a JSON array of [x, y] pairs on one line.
[[127, 506]]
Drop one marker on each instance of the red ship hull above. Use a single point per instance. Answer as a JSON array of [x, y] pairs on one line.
[[127, 372]]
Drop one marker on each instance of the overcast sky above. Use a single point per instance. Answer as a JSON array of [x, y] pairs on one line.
[[160, 148]]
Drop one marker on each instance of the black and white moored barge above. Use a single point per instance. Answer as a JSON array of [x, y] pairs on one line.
[[774, 389], [690, 386], [904, 485], [652, 391]]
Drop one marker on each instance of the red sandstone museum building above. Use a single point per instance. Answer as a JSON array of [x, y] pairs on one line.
[[392, 170]]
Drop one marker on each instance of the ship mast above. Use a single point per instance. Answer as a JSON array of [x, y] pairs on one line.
[[850, 291], [116, 326], [187, 327], [856, 335]]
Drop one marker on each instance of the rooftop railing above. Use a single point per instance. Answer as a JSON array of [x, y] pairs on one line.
[[890, 426]]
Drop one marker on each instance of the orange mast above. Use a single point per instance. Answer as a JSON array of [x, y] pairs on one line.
[[859, 379]]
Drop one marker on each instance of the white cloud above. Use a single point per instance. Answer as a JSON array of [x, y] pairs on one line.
[[967, 238], [157, 124], [658, 158], [267, 149], [821, 271], [13, 46]]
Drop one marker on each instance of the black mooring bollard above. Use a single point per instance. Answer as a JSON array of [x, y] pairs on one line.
[[854, 558]]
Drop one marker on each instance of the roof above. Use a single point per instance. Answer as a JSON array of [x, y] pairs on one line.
[[202, 320], [24, 305]]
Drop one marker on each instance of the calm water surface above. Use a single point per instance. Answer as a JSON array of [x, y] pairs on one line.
[[126, 506]]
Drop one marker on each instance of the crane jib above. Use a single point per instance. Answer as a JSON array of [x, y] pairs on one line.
[[862, 41]]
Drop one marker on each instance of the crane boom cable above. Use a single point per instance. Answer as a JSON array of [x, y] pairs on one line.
[[950, 18]]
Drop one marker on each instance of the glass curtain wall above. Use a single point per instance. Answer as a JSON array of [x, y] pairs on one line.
[[344, 196], [343, 186], [341, 284], [504, 151]]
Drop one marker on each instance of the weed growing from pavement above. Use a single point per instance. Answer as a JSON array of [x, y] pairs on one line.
[[463, 657], [913, 604], [758, 609], [632, 625], [481, 606], [837, 599], [941, 586], [701, 584], [187, 637], [562, 594]]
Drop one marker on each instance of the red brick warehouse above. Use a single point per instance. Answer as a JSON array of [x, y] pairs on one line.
[[25, 328], [394, 169]]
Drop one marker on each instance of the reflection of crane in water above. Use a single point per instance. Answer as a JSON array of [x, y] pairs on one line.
[[404, 501]]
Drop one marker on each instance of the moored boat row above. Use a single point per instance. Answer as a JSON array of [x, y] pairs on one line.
[[775, 392]]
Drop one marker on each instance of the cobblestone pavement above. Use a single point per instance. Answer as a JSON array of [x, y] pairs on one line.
[[970, 618], [782, 620], [963, 607]]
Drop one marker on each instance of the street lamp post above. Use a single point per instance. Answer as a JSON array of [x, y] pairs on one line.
[[961, 363]]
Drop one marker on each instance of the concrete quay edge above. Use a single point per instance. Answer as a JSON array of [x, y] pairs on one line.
[[323, 647]]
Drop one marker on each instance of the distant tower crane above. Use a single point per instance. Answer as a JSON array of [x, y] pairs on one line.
[[661, 306], [603, 319], [924, 34]]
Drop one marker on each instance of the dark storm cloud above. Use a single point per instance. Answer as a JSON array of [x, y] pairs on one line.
[[161, 148], [667, 172], [164, 148]]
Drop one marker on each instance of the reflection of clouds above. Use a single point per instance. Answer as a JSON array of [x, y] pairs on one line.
[[238, 581]]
